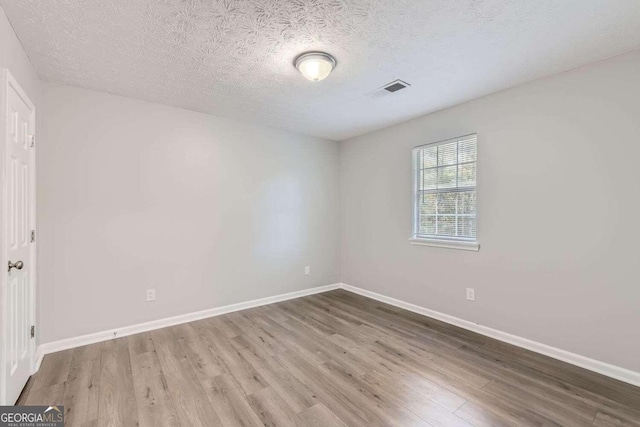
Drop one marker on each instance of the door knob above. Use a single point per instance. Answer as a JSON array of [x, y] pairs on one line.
[[18, 265]]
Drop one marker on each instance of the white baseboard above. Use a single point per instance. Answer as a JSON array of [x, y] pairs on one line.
[[603, 368], [52, 347]]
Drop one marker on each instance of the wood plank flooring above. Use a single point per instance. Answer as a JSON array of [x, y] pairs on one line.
[[331, 359]]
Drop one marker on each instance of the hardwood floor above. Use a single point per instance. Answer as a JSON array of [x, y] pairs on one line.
[[331, 359]]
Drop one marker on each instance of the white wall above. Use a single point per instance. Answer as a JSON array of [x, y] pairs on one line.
[[559, 213], [208, 211]]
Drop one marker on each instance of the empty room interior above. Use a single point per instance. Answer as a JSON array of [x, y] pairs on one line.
[[320, 213]]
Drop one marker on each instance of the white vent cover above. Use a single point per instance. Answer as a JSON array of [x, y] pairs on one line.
[[388, 89]]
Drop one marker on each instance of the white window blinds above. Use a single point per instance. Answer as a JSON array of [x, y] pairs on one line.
[[445, 189]]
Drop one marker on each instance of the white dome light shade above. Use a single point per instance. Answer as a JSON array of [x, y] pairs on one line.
[[315, 66]]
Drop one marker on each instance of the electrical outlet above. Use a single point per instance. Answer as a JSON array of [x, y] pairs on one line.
[[471, 294], [151, 295], [307, 270]]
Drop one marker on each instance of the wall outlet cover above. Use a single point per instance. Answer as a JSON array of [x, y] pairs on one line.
[[471, 294]]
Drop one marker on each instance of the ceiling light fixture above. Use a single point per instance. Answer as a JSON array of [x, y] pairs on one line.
[[315, 66]]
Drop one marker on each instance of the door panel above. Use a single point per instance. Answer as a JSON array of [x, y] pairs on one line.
[[18, 224]]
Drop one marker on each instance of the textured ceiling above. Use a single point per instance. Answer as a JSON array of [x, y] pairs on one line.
[[233, 58]]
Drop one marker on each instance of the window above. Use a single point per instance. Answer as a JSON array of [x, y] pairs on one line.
[[445, 193]]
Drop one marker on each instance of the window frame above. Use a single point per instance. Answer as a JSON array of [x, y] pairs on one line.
[[450, 242]]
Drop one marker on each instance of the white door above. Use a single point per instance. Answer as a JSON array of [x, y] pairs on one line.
[[17, 223]]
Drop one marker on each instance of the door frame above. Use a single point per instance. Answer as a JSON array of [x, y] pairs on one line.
[[7, 81]]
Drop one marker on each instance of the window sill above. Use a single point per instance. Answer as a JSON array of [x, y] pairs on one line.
[[448, 244]]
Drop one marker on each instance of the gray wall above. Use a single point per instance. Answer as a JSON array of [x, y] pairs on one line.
[[13, 57], [211, 212], [208, 211], [559, 213]]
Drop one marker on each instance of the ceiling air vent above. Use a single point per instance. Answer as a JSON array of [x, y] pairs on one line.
[[388, 89]]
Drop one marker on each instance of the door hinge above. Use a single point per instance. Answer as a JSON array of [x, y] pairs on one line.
[[33, 331], [33, 236], [33, 140]]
